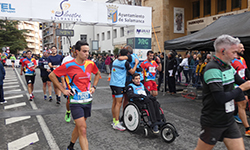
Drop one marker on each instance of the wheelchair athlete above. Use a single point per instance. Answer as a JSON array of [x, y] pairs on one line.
[[138, 94]]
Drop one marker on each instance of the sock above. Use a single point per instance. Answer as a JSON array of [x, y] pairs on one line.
[[30, 95], [50, 96], [248, 128], [68, 111], [116, 122], [56, 96], [71, 145], [113, 120]]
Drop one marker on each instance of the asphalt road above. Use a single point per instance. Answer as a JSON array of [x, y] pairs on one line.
[[40, 125]]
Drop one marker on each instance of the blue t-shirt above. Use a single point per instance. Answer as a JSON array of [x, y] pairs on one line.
[[138, 68], [43, 65], [119, 72], [55, 60]]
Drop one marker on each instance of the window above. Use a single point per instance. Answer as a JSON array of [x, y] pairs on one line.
[[122, 32], [236, 4], [84, 37], [207, 7], [222, 5], [108, 35], [114, 33], [196, 9], [97, 37], [103, 36]]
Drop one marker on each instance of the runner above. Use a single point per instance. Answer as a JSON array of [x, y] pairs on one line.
[[240, 66], [54, 62], [44, 72], [13, 59], [217, 121], [117, 85], [149, 66], [77, 73], [29, 64], [67, 59]]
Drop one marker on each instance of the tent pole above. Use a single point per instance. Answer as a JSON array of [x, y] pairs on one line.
[[156, 37], [164, 74]]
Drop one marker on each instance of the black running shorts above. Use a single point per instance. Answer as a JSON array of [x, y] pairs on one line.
[[30, 79]]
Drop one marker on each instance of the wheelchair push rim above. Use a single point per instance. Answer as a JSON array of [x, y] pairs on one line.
[[168, 133], [131, 117]]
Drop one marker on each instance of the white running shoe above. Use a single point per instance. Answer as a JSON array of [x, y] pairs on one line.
[[119, 127]]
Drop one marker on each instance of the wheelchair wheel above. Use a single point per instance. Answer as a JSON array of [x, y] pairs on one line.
[[131, 117], [168, 134], [145, 131]]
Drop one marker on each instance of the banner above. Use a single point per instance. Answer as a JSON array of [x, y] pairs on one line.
[[75, 11], [179, 20]]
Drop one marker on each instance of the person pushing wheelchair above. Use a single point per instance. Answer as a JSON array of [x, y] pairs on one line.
[[138, 94]]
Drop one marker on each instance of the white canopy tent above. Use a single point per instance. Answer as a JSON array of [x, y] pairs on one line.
[[76, 11]]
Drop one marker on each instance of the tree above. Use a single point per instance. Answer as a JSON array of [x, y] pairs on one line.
[[116, 51], [11, 37]]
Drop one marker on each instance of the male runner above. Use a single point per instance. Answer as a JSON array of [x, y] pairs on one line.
[[67, 59], [54, 62], [77, 73], [149, 66], [217, 121], [117, 85], [30, 65], [240, 66], [44, 73], [21, 60]]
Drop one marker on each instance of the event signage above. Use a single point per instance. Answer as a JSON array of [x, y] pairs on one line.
[[139, 43], [64, 32], [76, 11]]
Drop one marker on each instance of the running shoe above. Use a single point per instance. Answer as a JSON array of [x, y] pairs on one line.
[[33, 95], [45, 97], [31, 98], [119, 127], [237, 119], [58, 102], [50, 98], [155, 129], [3, 102], [68, 148], [67, 116], [109, 79], [247, 133]]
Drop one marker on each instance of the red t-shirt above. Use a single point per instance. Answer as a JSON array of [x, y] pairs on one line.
[[149, 69], [28, 64], [240, 66]]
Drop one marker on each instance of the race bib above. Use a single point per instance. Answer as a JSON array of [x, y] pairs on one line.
[[229, 106], [152, 69], [84, 96], [30, 64], [46, 67], [242, 73], [142, 92]]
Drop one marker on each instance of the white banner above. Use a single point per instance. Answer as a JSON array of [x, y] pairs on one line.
[[178, 20], [75, 11]]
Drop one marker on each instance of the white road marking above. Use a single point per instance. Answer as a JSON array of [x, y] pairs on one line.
[[16, 119], [23, 142], [7, 87], [15, 105], [11, 97], [8, 91], [9, 83], [49, 137], [12, 80]]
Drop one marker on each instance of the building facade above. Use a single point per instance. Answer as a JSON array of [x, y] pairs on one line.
[[32, 36], [176, 18]]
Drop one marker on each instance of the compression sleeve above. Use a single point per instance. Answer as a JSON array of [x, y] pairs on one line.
[[223, 97]]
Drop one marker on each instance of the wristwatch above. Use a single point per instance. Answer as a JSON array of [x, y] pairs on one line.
[[94, 87]]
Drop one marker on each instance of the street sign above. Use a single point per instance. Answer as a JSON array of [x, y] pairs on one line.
[[8, 51], [64, 32], [4, 49]]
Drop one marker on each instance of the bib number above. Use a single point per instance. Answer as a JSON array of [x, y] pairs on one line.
[[46, 67], [229, 106], [142, 92], [242, 73], [84, 95], [152, 69], [30, 64]]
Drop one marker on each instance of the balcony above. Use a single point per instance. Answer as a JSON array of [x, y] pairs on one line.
[[30, 40]]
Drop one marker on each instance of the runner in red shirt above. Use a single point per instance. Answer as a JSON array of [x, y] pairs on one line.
[[149, 70], [77, 74]]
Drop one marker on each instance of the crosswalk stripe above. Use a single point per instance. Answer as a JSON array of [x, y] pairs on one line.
[[8, 83], [15, 105], [8, 91], [16, 119], [13, 86], [23, 142], [12, 80], [11, 97]]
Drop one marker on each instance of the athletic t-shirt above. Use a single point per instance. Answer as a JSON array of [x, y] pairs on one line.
[[43, 64], [149, 70], [119, 72], [28, 64], [67, 58], [82, 77], [55, 60], [240, 66], [217, 78]]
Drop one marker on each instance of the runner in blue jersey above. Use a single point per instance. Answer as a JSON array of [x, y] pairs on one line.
[[55, 61], [117, 85]]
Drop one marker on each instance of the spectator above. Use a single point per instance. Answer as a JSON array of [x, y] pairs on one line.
[[2, 76], [184, 64], [172, 67], [107, 64], [179, 68], [161, 74]]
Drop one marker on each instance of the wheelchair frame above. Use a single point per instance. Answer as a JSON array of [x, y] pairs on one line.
[[134, 118]]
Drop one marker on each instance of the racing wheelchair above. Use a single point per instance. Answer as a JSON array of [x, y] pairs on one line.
[[135, 117]]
